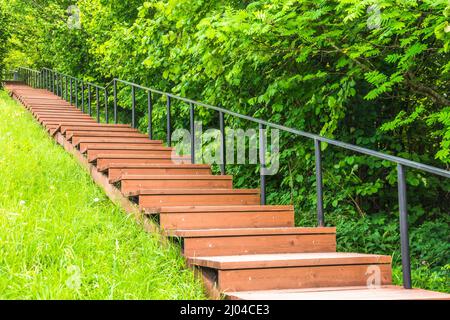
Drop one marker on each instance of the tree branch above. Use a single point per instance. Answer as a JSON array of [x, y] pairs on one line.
[[427, 91]]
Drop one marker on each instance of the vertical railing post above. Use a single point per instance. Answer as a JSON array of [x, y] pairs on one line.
[[97, 98], [65, 83], [61, 84], [53, 82], [71, 90], [262, 160], [106, 106], [319, 183], [150, 115], [169, 123], [76, 93], [89, 100], [115, 100], [82, 96], [404, 237], [192, 128], [57, 84], [133, 107], [223, 148]]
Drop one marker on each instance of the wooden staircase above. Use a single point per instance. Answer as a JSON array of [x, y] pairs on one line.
[[241, 249]]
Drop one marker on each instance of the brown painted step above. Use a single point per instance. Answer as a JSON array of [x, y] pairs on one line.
[[39, 115], [144, 140], [156, 145], [63, 118], [53, 109], [91, 132], [153, 200], [50, 113], [91, 125], [388, 292], [38, 97], [215, 217], [58, 122], [294, 270], [130, 184], [92, 149], [96, 126], [115, 170], [105, 134], [93, 154], [242, 241], [103, 160], [61, 104]]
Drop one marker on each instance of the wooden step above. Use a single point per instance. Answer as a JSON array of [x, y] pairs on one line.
[[294, 270], [89, 131], [92, 126], [54, 109], [45, 123], [92, 154], [155, 145], [103, 160], [115, 170], [153, 200], [55, 112], [130, 184], [95, 148], [61, 114], [145, 140], [38, 114], [95, 126], [242, 241], [62, 119], [104, 134], [215, 217], [388, 292]]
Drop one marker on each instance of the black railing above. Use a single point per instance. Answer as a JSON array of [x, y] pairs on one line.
[[9, 75], [53, 81]]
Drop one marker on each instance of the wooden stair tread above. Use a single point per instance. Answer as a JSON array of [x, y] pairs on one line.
[[386, 292], [106, 134], [174, 177], [257, 261], [250, 231], [67, 126], [247, 208], [126, 148], [113, 165], [131, 156], [135, 140], [195, 191]]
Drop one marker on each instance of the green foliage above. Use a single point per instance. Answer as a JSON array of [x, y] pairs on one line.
[[4, 36], [374, 73], [61, 238]]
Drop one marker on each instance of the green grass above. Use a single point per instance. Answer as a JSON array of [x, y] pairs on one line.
[[60, 236]]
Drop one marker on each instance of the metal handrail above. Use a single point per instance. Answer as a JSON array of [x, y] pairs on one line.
[[401, 162]]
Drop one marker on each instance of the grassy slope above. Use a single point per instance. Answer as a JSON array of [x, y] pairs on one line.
[[58, 242]]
